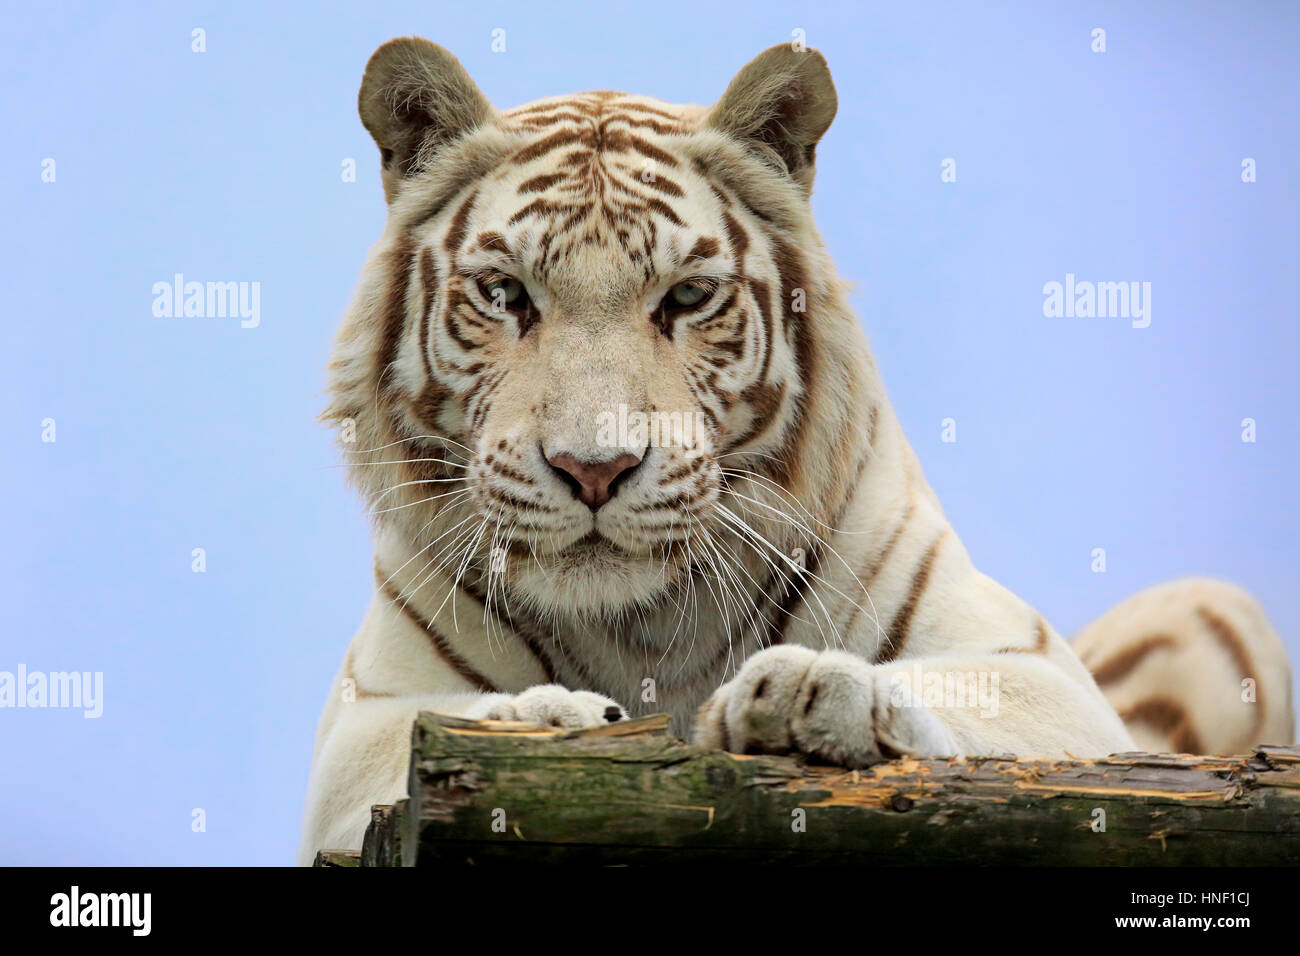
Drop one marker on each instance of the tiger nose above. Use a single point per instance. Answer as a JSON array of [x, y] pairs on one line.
[[593, 482]]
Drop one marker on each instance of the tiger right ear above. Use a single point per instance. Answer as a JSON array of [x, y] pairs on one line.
[[779, 105], [415, 99]]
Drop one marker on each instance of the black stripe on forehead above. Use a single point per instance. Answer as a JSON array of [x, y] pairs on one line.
[[598, 181], [456, 230], [705, 247]]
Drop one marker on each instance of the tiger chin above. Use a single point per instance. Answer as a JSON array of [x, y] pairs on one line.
[[779, 577]]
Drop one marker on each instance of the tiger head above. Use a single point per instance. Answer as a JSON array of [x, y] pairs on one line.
[[600, 332]]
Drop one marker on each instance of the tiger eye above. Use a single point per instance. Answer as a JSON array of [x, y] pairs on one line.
[[687, 294], [503, 292]]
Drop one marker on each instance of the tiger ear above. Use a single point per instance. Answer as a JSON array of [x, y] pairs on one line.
[[416, 98], [780, 104]]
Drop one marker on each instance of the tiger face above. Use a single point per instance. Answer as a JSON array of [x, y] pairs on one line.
[[586, 326]]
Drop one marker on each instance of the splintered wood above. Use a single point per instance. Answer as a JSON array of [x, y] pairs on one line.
[[490, 792]]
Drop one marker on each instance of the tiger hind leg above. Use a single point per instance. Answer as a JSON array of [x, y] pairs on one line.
[[1192, 666]]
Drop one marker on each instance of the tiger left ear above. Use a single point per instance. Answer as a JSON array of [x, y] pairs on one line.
[[780, 105], [415, 99]]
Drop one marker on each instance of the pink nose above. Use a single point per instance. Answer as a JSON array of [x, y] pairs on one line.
[[593, 482]]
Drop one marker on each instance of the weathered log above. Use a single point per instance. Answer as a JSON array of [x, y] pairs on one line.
[[484, 792], [337, 858]]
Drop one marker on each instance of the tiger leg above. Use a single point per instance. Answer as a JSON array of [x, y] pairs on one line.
[[1192, 666]]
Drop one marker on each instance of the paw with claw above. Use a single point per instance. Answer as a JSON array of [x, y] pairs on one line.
[[830, 705]]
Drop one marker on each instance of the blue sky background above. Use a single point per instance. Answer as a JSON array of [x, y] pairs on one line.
[[174, 434]]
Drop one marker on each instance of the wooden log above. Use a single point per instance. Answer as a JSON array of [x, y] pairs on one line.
[[381, 845], [337, 858], [488, 792]]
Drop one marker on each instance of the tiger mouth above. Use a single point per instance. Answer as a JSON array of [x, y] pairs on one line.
[[593, 544], [593, 551]]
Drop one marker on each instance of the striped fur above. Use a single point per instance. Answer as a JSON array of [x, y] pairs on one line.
[[1192, 666], [797, 515]]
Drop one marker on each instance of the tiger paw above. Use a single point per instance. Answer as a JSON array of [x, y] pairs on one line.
[[551, 705], [830, 705]]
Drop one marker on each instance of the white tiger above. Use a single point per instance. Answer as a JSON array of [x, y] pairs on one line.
[[555, 277]]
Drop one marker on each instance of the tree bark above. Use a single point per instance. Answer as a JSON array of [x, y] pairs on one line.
[[487, 792]]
